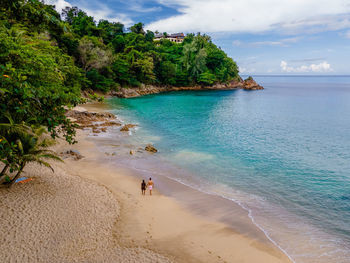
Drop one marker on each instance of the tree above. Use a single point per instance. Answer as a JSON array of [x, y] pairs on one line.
[[118, 43], [206, 78], [167, 73], [110, 30], [9, 132], [215, 58], [39, 81], [145, 66], [137, 28], [93, 54], [69, 13], [98, 81], [199, 66], [32, 147], [81, 23], [189, 52], [121, 69], [149, 36]]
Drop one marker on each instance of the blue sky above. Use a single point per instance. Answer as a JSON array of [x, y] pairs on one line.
[[262, 36]]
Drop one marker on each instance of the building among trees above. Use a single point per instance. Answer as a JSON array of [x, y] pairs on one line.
[[177, 37]]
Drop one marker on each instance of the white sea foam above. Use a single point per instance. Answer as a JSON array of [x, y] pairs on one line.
[[193, 156], [285, 231]]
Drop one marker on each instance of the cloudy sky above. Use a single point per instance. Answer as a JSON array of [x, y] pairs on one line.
[[262, 36]]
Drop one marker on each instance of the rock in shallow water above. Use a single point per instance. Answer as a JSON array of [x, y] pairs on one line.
[[151, 148], [127, 127]]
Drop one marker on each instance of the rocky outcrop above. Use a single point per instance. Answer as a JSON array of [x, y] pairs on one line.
[[150, 148], [88, 117], [97, 121], [248, 84]]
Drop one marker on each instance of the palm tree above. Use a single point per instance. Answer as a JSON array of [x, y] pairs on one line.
[[33, 148], [9, 132]]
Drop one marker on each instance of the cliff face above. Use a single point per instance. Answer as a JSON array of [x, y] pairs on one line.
[[143, 90]]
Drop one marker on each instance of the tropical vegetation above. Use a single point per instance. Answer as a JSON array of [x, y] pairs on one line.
[[47, 59]]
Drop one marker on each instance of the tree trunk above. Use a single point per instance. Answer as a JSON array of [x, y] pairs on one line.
[[4, 170], [16, 177]]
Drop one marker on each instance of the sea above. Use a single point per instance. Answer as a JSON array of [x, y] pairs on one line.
[[282, 154]]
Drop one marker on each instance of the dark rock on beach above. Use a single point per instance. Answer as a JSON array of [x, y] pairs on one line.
[[72, 153], [81, 116], [97, 121]]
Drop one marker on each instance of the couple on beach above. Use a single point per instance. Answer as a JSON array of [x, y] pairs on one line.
[[150, 185]]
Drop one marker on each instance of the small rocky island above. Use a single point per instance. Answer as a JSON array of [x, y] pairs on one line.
[[247, 84]]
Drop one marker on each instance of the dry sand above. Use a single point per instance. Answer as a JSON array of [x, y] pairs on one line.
[[62, 218], [89, 211]]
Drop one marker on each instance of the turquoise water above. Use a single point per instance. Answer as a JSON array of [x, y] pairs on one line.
[[282, 153]]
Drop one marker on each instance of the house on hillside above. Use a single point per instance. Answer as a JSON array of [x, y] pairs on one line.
[[177, 38]]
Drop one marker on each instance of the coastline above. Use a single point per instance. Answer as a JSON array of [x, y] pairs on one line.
[[248, 84], [160, 222], [164, 223], [210, 208]]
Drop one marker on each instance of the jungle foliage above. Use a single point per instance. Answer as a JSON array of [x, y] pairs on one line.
[[47, 58]]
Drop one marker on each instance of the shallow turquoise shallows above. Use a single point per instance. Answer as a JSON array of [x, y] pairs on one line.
[[282, 153]]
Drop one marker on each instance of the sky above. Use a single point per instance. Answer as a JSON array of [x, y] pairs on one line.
[[263, 36]]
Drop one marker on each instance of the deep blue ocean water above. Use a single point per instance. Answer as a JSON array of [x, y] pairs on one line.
[[283, 153]]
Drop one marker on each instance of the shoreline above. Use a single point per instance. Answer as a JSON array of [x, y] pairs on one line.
[[201, 204], [143, 90], [167, 221], [157, 228]]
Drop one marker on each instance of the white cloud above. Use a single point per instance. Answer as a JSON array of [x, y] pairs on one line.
[[316, 68], [59, 4], [254, 15], [100, 11], [281, 42], [244, 70], [267, 43], [103, 12]]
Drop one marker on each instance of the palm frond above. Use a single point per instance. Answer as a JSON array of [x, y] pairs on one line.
[[46, 164], [8, 128]]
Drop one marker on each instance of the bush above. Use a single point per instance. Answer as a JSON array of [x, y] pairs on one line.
[[206, 78], [96, 97]]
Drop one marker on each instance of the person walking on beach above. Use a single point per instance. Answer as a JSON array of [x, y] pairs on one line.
[[143, 187], [150, 185]]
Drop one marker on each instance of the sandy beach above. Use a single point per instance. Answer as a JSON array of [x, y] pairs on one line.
[[90, 210]]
